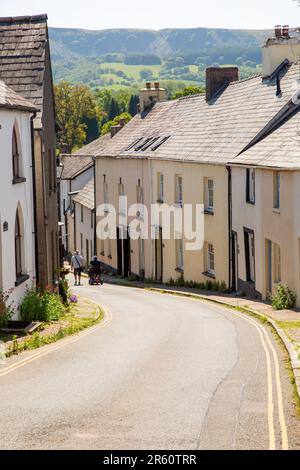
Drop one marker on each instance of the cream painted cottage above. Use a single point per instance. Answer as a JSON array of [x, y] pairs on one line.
[[17, 228]]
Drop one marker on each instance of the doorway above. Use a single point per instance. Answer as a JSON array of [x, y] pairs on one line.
[[159, 256]]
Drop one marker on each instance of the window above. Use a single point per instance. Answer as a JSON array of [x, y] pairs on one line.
[[92, 219], [122, 198], [178, 189], [102, 252], [179, 254], [109, 255], [276, 189], [81, 243], [160, 187], [16, 155], [105, 195], [277, 263], [140, 200], [81, 214], [18, 246], [210, 259], [209, 195], [250, 186], [249, 255]]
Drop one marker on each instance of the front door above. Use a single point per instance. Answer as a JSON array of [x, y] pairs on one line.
[[127, 254], [159, 256], [234, 248]]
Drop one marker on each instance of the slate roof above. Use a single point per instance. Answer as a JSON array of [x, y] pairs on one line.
[[281, 149], [12, 100], [86, 196], [82, 159], [214, 132], [74, 165], [93, 148], [23, 42]]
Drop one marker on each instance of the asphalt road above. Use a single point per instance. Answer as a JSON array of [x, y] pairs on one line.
[[161, 372]]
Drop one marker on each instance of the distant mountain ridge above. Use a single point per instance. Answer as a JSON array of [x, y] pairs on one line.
[[77, 43]]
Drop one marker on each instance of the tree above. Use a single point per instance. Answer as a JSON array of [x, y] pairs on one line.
[[189, 90], [114, 122], [133, 105], [73, 105], [114, 110]]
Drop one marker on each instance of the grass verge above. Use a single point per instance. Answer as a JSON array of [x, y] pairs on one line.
[[75, 325]]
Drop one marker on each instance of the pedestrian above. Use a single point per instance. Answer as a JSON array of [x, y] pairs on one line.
[[77, 266]]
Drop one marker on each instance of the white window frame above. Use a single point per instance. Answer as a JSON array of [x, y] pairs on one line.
[[251, 185], [179, 189], [179, 254], [276, 189], [209, 195], [210, 258], [160, 181]]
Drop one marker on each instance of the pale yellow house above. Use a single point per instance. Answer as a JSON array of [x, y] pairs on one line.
[[266, 190], [176, 152]]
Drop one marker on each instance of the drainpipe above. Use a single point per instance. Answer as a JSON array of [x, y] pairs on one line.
[[34, 197], [95, 208], [229, 203]]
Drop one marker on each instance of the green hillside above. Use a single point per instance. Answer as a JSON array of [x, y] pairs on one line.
[[127, 57]]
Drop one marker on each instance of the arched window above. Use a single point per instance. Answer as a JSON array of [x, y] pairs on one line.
[[15, 154], [18, 246]]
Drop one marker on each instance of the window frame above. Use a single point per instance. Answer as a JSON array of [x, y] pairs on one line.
[[250, 185]]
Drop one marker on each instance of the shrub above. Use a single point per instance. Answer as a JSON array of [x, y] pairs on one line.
[[51, 307], [6, 309], [31, 306], [284, 298], [64, 291], [41, 306]]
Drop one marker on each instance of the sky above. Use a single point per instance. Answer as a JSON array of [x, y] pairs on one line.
[[158, 14]]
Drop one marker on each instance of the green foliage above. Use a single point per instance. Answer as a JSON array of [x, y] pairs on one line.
[[41, 306], [64, 291], [284, 298], [146, 74], [107, 126], [73, 104], [209, 285], [189, 90]]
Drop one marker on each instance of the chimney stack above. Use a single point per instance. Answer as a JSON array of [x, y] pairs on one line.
[[151, 95], [218, 77], [278, 48]]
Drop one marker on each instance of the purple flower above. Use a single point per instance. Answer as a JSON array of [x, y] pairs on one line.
[[73, 299]]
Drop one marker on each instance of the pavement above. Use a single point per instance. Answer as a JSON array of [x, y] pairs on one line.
[[160, 372]]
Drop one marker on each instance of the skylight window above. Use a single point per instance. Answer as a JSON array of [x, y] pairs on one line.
[[159, 143], [133, 144], [143, 144]]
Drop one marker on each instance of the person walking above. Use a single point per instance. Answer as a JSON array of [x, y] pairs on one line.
[[76, 266]]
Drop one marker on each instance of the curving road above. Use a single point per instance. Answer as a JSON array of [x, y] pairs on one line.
[[161, 372]]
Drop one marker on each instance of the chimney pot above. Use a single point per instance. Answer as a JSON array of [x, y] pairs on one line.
[[148, 85], [217, 77], [156, 85], [278, 31]]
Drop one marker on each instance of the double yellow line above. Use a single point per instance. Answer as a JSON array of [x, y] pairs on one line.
[[61, 344]]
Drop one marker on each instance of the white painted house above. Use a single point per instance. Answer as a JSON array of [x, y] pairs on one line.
[[77, 219], [17, 228]]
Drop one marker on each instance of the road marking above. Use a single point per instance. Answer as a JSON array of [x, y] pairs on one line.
[[61, 344], [283, 428]]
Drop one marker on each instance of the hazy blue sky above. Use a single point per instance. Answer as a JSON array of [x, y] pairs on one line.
[[157, 14]]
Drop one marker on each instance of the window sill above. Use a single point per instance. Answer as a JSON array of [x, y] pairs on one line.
[[209, 212], [21, 279], [18, 180], [178, 204], [276, 210], [252, 203], [159, 201], [109, 257], [102, 253], [208, 274], [179, 269]]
